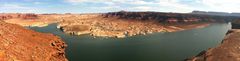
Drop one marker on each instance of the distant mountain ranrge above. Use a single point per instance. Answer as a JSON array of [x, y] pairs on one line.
[[216, 13]]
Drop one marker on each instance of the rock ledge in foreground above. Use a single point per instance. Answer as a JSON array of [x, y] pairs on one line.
[[20, 44], [229, 50]]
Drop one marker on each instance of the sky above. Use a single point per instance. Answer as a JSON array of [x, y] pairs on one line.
[[102, 6]]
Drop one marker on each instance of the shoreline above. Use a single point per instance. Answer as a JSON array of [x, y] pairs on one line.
[[21, 44], [228, 50], [169, 29]]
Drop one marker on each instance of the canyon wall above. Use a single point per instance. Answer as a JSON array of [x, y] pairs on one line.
[[108, 25], [18, 15], [170, 17], [20, 44]]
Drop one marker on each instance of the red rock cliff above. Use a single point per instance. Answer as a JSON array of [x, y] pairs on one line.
[[20, 44]]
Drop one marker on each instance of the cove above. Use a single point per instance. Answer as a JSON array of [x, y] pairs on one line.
[[173, 46]]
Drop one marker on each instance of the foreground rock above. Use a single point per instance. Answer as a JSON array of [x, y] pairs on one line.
[[20, 44], [229, 50]]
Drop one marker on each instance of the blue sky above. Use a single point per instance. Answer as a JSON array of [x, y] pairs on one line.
[[95, 6]]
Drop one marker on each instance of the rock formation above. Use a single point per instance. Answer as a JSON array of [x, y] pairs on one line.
[[18, 15], [228, 50], [29, 16], [77, 29], [20, 44], [30, 19], [170, 17], [116, 25]]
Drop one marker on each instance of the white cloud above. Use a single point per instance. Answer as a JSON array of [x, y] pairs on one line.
[[167, 5], [12, 6], [37, 3], [219, 3], [140, 2], [110, 1], [76, 1], [133, 2], [222, 5], [173, 6], [17, 8], [142, 8], [107, 7], [141, 5], [80, 1]]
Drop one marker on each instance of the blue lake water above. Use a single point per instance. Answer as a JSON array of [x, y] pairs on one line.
[[174, 46]]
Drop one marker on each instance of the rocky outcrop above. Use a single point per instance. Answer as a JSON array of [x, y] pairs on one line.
[[228, 50], [30, 19], [98, 25], [76, 29], [29, 16], [17, 15], [5, 17], [20, 44]]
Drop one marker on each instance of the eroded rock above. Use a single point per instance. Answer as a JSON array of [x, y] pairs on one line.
[[20, 44], [110, 25], [228, 50]]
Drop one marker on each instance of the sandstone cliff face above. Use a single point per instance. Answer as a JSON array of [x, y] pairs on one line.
[[21, 16], [20, 44]]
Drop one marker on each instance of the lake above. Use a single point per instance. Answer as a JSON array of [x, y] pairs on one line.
[[173, 46]]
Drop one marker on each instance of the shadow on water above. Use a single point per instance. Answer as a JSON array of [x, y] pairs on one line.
[[175, 46]]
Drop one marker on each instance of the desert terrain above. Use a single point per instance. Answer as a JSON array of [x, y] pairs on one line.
[[101, 24], [114, 24], [31, 19]]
